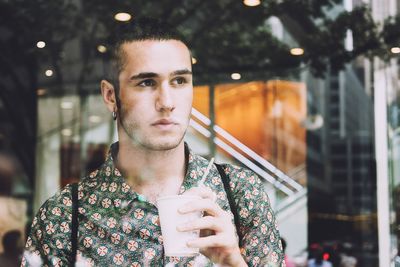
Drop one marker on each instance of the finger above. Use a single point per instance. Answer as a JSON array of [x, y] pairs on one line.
[[207, 222], [202, 191], [204, 205], [207, 242], [206, 232]]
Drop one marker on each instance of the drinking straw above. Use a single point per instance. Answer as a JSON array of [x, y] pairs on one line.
[[203, 179]]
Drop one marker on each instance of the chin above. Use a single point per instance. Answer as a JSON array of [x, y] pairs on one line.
[[162, 146], [163, 143]]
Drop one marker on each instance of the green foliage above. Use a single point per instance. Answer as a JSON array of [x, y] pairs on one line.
[[225, 35], [327, 45], [391, 31]]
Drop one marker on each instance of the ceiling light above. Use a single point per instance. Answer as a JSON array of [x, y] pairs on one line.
[[194, 60], [122, 16], [67, 105], [252, 2], [102, 49], [41, 91], [66, 132], [236, 76], [395, 50], [94, 119], [40, 44], [297, 51], [48, 73]]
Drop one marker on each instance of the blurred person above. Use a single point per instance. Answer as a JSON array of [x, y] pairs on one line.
[[12, 211], [149, 94], [288, 261], [12, 249], [317, 259]]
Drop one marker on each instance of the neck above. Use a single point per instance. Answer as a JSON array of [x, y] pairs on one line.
[[152, 172]]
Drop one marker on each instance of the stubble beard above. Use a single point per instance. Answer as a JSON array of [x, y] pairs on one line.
[[147, 142]]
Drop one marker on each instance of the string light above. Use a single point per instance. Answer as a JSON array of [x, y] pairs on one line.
[[297, 51], [122, 16], [48, 73], [102, 49], [395, 50], [252, 2], [41, 44], [236, 76]]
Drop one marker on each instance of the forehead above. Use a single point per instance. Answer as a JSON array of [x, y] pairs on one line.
[[153, 54]]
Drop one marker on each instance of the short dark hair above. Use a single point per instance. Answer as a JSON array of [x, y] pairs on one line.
[[139, 29]]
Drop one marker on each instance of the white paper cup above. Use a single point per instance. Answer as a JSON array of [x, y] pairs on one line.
[[174, 241]]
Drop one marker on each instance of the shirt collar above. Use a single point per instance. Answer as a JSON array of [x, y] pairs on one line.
[[195, 167]]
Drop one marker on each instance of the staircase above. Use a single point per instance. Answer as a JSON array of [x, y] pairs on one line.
[[288, 197]]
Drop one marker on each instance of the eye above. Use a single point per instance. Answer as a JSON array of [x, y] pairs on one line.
[[147, 83], [179, 80]]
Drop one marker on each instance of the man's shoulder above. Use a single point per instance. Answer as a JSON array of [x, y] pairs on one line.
[[229, 168], [240, 174], [241, 179], [62, 199], [235, 168], [58, 203]]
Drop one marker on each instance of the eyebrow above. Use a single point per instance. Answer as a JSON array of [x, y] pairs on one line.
[[144, 75], [182, 72]]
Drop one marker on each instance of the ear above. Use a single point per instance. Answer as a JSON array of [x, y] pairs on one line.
[[108, 93]]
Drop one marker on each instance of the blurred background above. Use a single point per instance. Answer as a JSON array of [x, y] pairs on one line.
[[306, 93]]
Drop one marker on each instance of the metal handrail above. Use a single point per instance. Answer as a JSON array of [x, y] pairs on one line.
[[263, 174], [250, 153]]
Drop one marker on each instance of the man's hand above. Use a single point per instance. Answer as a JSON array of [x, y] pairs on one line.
[[217, 239]]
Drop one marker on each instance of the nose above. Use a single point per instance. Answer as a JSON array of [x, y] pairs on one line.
[[165, 101]]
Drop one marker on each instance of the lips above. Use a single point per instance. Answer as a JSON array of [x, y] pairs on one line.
[[165, 122]]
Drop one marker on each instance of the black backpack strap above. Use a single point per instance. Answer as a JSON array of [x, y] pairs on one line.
[[74, 226], [225, 180]]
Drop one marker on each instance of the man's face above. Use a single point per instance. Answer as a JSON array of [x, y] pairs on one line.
[[156, 93]]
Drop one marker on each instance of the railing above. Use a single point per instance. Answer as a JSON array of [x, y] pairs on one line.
[[248, 157]]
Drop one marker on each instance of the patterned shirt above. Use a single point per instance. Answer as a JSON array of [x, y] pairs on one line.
[[119, 227]]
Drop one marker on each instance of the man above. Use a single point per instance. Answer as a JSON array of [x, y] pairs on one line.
[[150, 96]]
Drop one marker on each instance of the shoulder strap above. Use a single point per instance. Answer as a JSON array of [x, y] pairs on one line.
[[225, 180], [74, 226]]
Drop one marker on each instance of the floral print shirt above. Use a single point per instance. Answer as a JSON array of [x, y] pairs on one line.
[[119, 227]]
